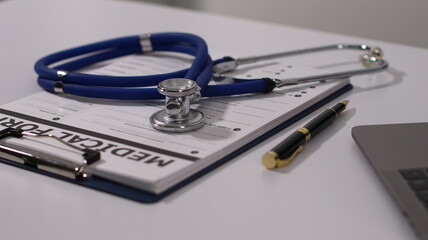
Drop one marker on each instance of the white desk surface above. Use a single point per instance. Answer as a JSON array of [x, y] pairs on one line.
[[330, 192]]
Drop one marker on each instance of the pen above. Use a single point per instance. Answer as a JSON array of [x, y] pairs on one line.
[[284, 153]]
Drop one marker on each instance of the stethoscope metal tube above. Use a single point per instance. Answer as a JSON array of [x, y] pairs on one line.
[[372, 60], [180, 88]]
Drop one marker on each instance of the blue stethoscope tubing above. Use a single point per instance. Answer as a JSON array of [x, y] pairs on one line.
[[136, 87]]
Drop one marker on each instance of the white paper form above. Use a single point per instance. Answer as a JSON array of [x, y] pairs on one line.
[[135, 154]]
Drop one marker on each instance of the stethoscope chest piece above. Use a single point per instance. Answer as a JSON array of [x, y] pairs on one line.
[[177, 115]]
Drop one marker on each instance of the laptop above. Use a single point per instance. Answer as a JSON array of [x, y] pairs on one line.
[[399, 155]]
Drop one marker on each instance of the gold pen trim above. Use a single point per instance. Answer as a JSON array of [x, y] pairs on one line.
[[344, 102], [306, 132], [271, 159]]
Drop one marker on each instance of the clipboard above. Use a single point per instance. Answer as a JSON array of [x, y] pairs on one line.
[[19, 160]]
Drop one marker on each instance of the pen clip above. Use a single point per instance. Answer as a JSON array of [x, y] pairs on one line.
[[284, 162], [271, 159], [44, 161]]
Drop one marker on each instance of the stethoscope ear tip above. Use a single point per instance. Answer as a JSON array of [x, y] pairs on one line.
[[372, 58]]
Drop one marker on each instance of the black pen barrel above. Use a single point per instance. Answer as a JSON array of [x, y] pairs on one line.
[[288, 146], [284, 153], [320, 122], [339, 107], [325, 119]]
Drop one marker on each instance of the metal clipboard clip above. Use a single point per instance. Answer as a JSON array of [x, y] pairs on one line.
[[44, 161]]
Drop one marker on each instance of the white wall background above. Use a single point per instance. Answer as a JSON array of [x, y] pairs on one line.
[[399, 21]]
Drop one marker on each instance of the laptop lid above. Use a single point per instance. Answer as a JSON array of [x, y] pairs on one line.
[[392, 149]]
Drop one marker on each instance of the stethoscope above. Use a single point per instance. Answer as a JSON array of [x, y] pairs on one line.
[[58, 74]]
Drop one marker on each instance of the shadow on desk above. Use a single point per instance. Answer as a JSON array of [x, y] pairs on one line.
[[388, 78]]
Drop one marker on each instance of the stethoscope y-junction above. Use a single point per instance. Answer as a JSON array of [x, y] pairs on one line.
[[58, 73]]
